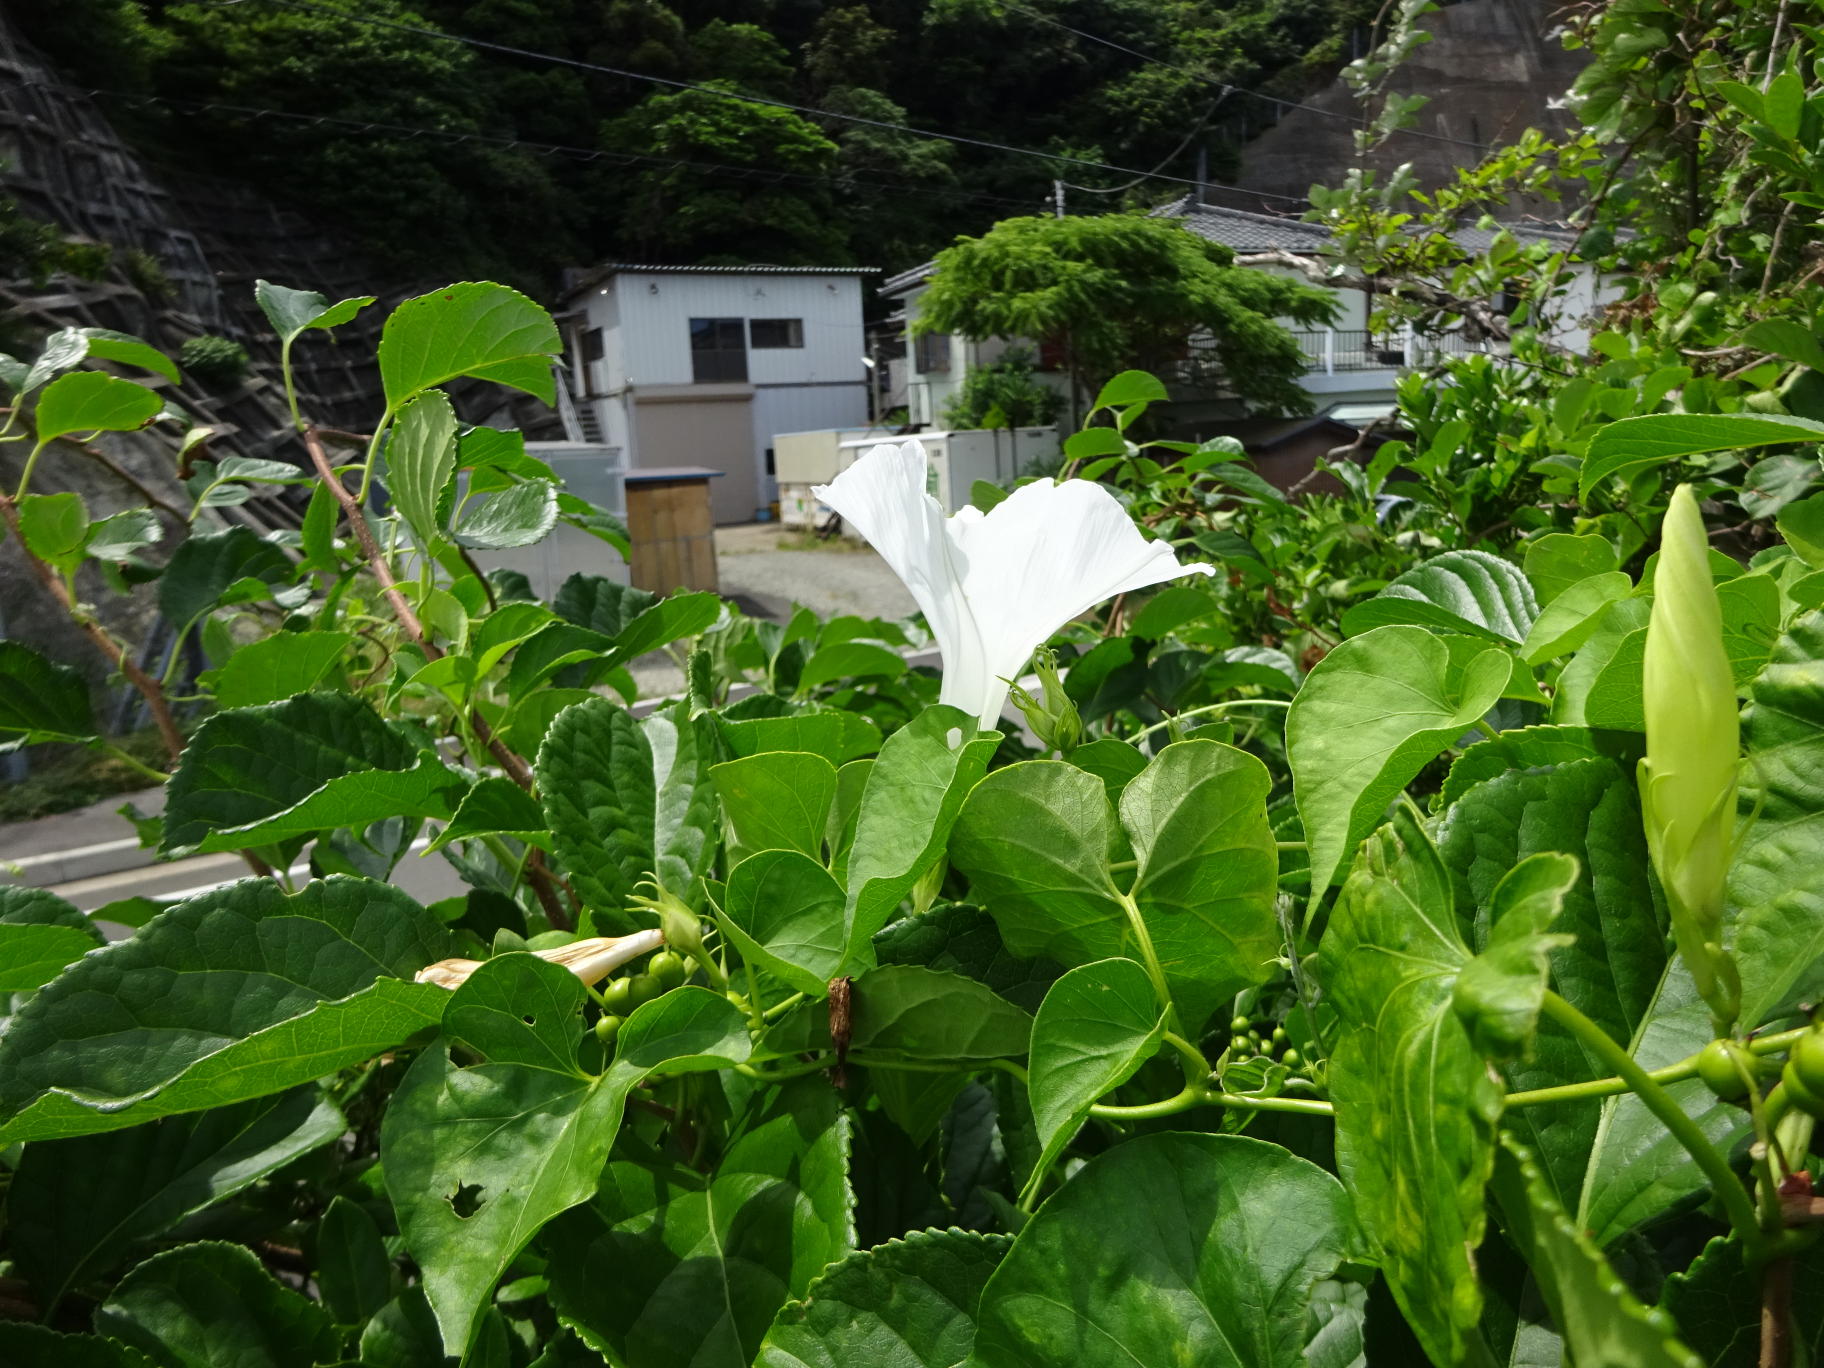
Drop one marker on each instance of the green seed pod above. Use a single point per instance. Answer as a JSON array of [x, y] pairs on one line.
[[667, 968], [1717, 1065], [617, 996], [1291, 1059], [607, 1028], [1279, 1035], [643, 988], [1687, 780], [1239, 1026]]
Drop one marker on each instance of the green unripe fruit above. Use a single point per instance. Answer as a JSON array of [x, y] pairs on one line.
[[1807, 1060], [617, 996], [607, 1028], [1239, 1026], [1721, 1069], [1290, 1059], [1799, 1093], [669, 969], [643, 988], [1279, 1035]]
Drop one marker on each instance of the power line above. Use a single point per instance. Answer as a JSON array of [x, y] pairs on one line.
[[742, 97], [586, 154], [1225, 86]]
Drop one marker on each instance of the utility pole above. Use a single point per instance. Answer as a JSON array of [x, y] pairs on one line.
[[1057, 198]]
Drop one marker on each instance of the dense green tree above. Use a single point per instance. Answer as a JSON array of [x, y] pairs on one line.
[[1122, 291], [686, 213]]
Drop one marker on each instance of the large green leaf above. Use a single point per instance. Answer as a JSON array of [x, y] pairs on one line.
[[1170, 1249], [1460, 591], [39, 934], [1416, 1106], [1636, 444], [245, 766], [354, 1272], [850, 660], [78, 1206], [475, 328], [625, 799], [278, 667], [239, 993], [913, 794], [24, 1345], [1572, 617], [1098, 1024], [421, 463], [965, 940], [291, 312], [1776, 883], [1036, 842], [1587, 808], [119, 535], [1558, 560], [669, 1269], [1599, 1318], [909, 1303], [1717, 1304], [107, 345], [1370, 716], [210, 1305], [519, 516], [785, 913], [41, 700], [91, 401], [777, 800], [912, 1010], [837, 736], [479, 1158], [235, 566], [55, 528], [428, 789]]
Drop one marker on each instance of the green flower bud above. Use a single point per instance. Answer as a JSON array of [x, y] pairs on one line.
[[1055, 721], [1688, 778], [681, 928]]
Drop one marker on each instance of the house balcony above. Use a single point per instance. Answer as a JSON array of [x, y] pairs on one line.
[[1335, 358]]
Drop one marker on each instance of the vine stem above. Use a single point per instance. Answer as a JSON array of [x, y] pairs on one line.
[[1209, 708], [1672, 1073], [1730, 1192]]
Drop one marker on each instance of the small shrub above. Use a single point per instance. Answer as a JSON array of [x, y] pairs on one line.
[[215, 363]]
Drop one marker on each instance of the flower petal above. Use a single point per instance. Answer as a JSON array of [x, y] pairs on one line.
[[1045, 555], [883, 496]]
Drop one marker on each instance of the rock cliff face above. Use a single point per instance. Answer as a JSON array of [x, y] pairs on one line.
[[185, 253], [1491, 69]]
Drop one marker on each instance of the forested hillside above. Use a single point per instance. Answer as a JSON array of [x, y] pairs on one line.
[[463, 158]]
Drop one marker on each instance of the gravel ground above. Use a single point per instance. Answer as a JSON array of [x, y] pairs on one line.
[[767, 568]]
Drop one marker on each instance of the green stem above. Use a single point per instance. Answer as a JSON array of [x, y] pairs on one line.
[[1486, 730], [1195, 1063], [373, 451], [156, 775], [291, 388], [25, 477], [1729, 1191], [783, 1006], [1672, 1073], [1208, 708]]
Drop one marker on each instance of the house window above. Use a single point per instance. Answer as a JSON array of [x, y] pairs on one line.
[[592, 345], [933, 353], [775, 332], [718, 350]]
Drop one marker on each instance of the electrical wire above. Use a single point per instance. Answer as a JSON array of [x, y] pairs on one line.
[[742, 97], [1224, 86]]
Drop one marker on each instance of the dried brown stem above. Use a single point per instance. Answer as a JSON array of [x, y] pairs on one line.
[[1776, 1314]]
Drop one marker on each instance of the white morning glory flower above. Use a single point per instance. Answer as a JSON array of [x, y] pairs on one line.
[[996, 586]]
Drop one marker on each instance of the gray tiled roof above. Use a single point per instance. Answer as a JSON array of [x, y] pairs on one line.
[[1246, 232]]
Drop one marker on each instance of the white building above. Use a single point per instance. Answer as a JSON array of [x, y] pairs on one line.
[[702, 365]]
